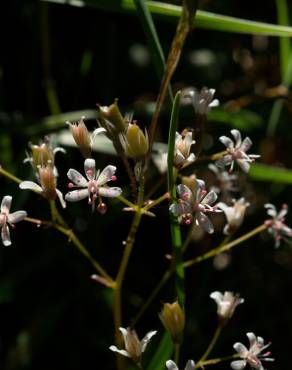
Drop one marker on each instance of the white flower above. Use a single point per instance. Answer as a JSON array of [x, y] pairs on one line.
[[172, 366], [251, 356], [7, 218], [225, 180], [236, 151], [48, 182], [276, 225], [183, 143], [198, 202], [133, 346], [234, 214], [226, 304], [82, 137], [202, 101], [94, 187]]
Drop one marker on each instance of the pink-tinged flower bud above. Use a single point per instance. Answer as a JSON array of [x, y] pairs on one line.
[[48, 181], [113, 115], [81, 136], [173, 319], [135, 142]]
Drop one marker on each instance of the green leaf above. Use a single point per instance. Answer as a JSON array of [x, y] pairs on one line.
[[203, 19], [262, 172], [162, 354]]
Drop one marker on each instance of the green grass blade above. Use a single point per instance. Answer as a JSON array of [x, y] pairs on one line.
[[174, 225], [262, 172], [162, 354], [203, 19], [285, 43]]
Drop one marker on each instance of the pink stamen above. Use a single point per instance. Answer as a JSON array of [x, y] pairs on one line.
[[70, 185], [114, 178]]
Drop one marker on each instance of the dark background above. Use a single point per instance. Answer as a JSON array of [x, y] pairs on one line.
[[51, 313]]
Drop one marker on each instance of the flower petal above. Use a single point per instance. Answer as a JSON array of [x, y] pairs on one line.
[[106, 175], [237, 136], [120, 351], [109, 192], [190, 365], [146, 339], [238, 365], [30, 185], [210, 198], [97, 131], [180, 208], [224, 161], [5, 235], [76, 195], [6, 204], [205, 222], [171, 365], [217, 296], [241, 349], [226, 141], [61, 199], [246, 144], [89, 168], [252, 339], [16, 216], [244, 165], [185, 193], [77, 178]]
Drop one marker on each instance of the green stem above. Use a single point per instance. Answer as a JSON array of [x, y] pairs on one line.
[[153, 294], [72, 237], [211, 344], [176, 353], [117, 298], [9, 175], [214, 361], [223, 248]]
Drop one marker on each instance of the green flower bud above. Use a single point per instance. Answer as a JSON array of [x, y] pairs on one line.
[[173, 319], [135, 142]]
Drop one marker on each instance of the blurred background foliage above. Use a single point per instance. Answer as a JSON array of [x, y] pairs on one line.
[[60, 58]]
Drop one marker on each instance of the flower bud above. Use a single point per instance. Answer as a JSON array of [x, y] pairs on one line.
[[173, 319], [135, 143], [113, 114], [48, 181], [81, 136], [40, 155]]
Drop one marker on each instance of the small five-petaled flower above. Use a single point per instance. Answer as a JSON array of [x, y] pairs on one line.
[[236, 152], [94, 186], [7, 218], [251, 356], [198, 202]]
